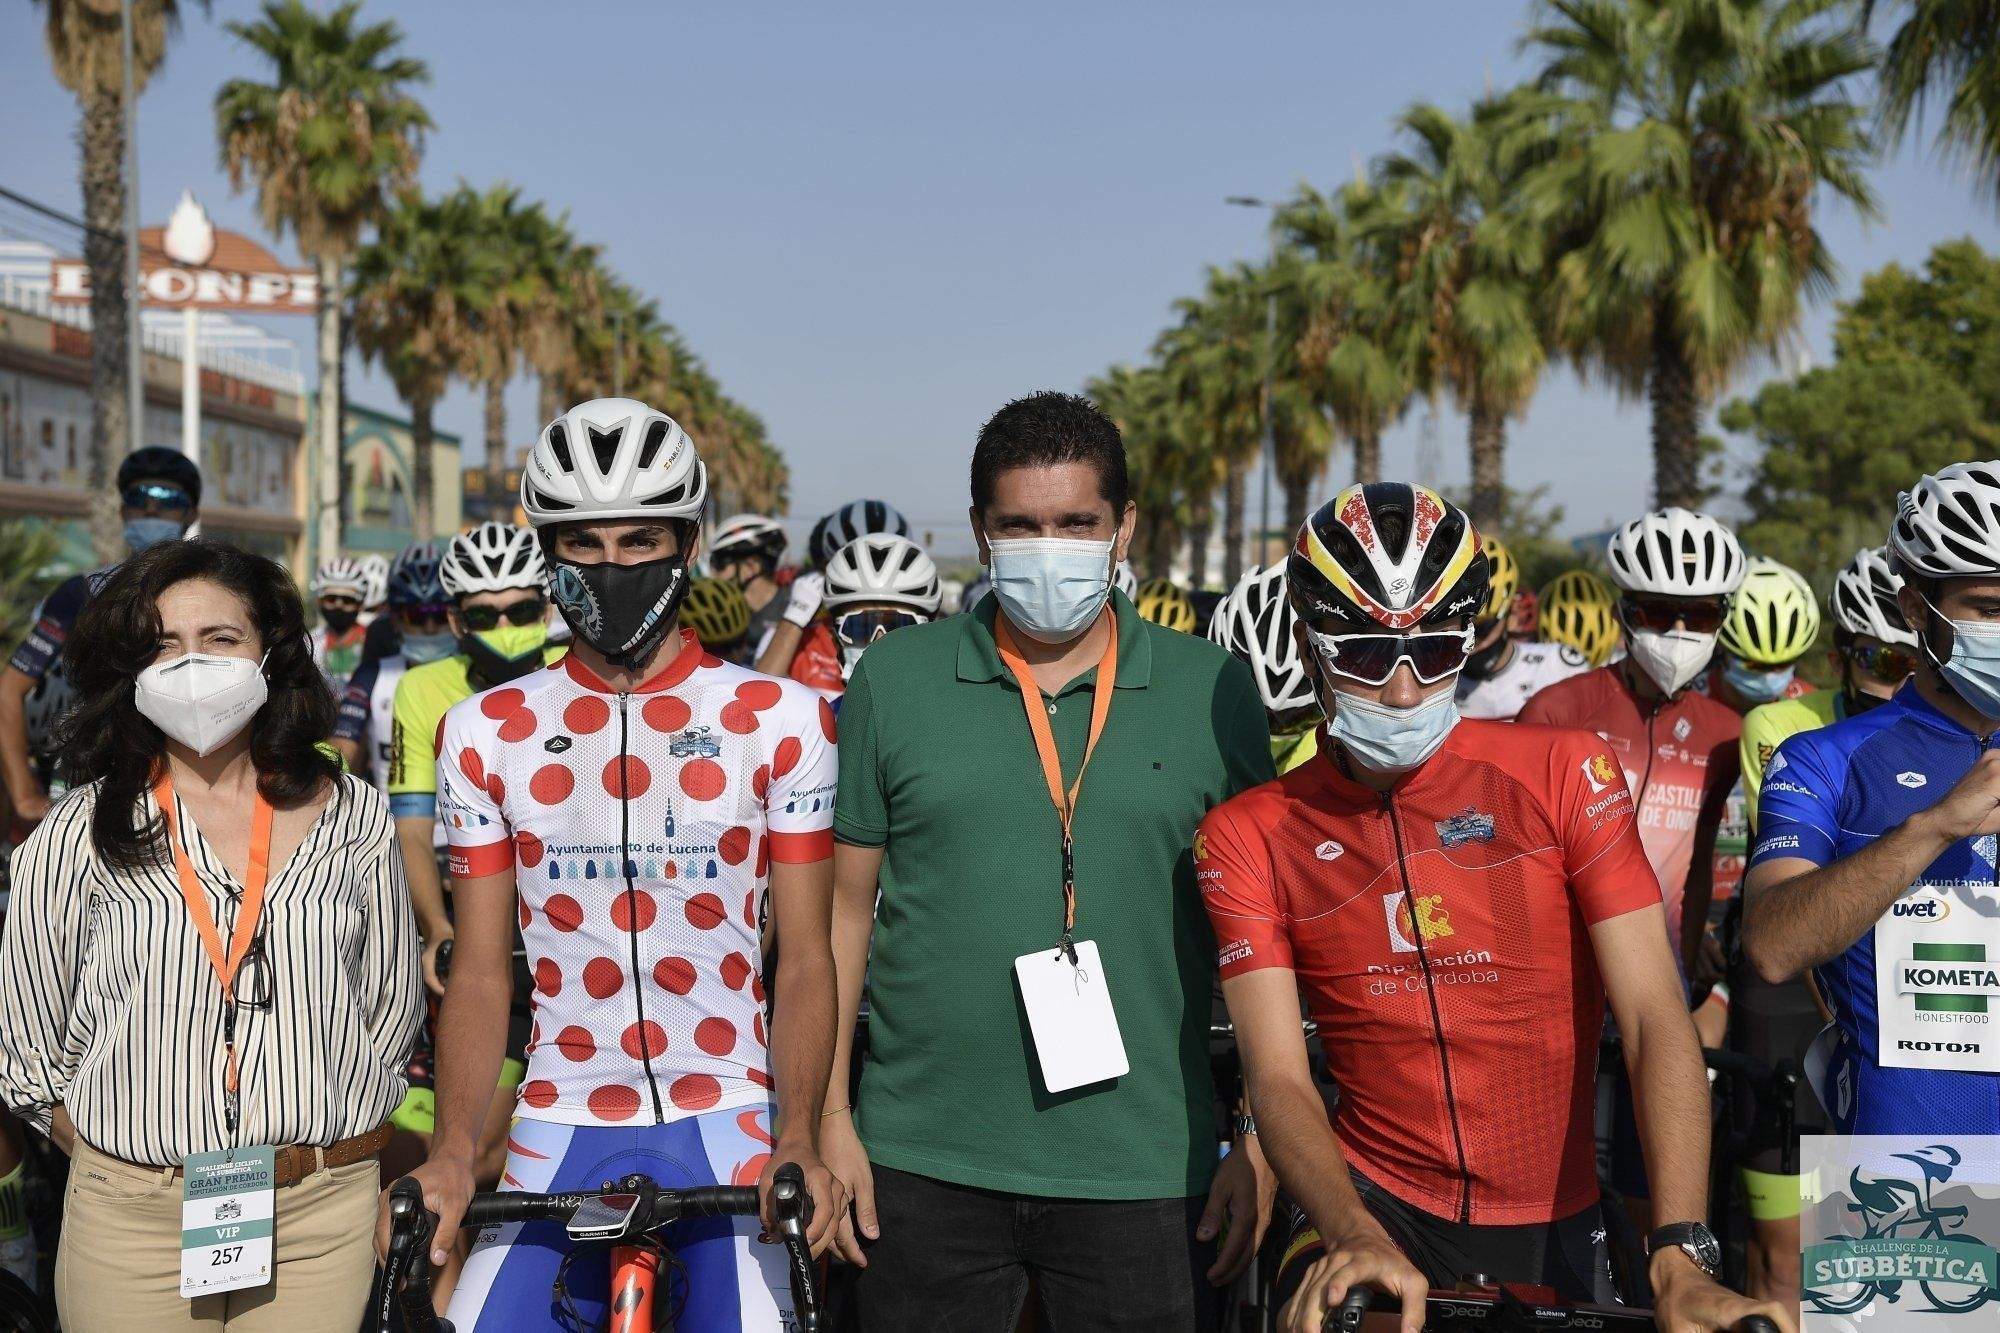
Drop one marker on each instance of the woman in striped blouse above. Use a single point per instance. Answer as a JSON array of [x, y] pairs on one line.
[[210, 947]]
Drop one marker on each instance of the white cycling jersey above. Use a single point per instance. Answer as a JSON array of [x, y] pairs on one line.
[[641, 828], [1533, 667]]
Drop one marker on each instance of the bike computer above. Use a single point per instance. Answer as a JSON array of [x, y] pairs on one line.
[[602, 1217]]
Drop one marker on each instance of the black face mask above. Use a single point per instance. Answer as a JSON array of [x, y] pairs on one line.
[[339, 620], [623, 611]]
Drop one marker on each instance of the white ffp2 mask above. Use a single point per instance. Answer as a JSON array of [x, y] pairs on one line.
[[202, 699]]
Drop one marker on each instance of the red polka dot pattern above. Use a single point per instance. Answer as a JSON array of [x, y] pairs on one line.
[[760, 694], [703, 779], [674, 974], [734, 845], [576, 1043], [757, 1028], [634, 911], [717, 1036], [564, 912], [705, 911], [540, 1094], [614, 1101], [496, 789], [528, 850], [787, 757], [643, 1041], [665, 712], [760, 782], [527, 917], [627, 778], [827, 726], [586, 714], [474, 768], [735, 971], [552, 784], [548, 977], [695, 1092], [739, 717], [520, 725], [763, 868], [499, 703], [603, 978]]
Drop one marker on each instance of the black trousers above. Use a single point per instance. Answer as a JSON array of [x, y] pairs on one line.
[[952, 1257]]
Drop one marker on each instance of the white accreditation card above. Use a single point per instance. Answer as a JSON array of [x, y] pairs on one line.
[[227, 1207], [1070, 1017]]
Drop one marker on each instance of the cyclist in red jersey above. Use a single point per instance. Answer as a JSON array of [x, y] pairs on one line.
[[1454, 898]]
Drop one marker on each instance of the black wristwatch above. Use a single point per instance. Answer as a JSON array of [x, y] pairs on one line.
[[1245, 1126], [1694, 1240]]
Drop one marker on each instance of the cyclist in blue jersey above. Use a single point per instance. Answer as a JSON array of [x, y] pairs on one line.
[[1875, 863]]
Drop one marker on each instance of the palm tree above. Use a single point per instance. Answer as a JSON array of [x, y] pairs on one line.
[[421, 291], [1693, 139], [1952, 48], [529, 248], [580, 283], [329, 141], [86, 49], [1301, 429], [1214, 361], [1170, 480], [1467, 275]]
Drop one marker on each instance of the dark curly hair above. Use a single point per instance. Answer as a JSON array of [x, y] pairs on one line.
[[105, 739]]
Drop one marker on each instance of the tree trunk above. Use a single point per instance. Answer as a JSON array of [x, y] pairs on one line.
[[1676, 421], [1367, 457], [423, 480], [1197, 540], [496, 423], [1156, 543], [1487, 434], [327, 463], [549, 401], [1232, 521], [112, 433], [1298, 495]]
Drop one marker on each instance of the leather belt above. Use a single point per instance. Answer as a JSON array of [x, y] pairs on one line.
[[296, 1161]]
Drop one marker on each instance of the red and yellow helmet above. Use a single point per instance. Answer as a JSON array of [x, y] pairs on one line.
[[1387, 556]]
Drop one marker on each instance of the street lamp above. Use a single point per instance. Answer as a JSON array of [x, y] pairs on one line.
[[1270, 354]]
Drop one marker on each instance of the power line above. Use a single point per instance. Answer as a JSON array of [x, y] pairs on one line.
[[152, 252]]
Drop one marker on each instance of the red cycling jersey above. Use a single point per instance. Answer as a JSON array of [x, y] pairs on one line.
[[1679, 758], [1440, 936]]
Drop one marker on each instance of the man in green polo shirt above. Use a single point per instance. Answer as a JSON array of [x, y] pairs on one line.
[[1037, 1100]]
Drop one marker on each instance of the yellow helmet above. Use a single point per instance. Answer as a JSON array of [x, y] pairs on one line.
[[1579, 609], [716, 612], [1773, 616], [1503, 578], [1166, 604]]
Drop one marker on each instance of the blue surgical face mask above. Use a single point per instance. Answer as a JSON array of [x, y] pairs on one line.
[[1973, 669], [422, 648], [1393, 740], [1051, 587], [1758, 687], [141, 533]]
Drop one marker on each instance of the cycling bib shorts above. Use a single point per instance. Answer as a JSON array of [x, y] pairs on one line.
[[724, 1278]]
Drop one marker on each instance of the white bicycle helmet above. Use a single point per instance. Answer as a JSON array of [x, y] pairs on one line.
[[342, 576], [493, 557], [883, 567], [1948, 525], [1255, 622], [851, 522], [613, 458], [1864, 599], [376, 566], [1123, 579], [751, 534], [1676, 553]]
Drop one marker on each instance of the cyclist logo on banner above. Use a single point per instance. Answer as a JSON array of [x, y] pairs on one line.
[[1893, 1230]]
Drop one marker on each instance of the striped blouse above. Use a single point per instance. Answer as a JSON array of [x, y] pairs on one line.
[[109, 1006]]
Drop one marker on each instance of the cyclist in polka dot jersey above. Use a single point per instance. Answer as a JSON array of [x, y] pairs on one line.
[[650, 813]]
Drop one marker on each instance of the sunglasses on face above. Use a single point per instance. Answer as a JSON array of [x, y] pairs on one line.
[[423, 619], [163, 500], [527, 611], [1890, 666], [858, 629], [1372, 658], [1665, 615], [340, 602]]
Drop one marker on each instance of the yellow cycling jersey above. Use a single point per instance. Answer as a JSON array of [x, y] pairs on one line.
[[423, 696], [1769, 725]]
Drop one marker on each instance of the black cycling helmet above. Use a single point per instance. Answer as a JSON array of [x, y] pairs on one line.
[[156, 462], [1387, 556]]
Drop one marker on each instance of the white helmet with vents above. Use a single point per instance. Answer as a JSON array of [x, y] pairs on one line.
[[493, 557], [1255, 622], [613, 458], [1676, 552], [1864, 599], [882, 568], [341, 576], [1948, 524]]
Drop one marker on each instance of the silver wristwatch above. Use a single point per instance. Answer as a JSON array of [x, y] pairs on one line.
[[1694, 1240]]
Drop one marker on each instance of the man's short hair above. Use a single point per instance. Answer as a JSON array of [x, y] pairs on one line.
[[1043, 430]]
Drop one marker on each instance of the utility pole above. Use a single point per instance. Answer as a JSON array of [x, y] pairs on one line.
[[135, 349], [1270, 355]]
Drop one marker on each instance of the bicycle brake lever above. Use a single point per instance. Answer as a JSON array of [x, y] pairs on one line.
[[1352, 1310], [791, 1209]]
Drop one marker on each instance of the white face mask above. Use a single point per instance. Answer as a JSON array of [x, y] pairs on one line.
[[1051, 587], [1670, 660], [201, 700]]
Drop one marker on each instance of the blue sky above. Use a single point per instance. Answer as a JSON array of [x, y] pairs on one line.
[[880, 221]]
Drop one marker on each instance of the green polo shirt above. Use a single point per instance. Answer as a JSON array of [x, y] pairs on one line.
[[938, 768]]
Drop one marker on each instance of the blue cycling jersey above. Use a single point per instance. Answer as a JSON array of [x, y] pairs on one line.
[[1911, 997]]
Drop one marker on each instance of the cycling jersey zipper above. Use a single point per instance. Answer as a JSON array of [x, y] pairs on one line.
[[1437, 1018], [632, 905]]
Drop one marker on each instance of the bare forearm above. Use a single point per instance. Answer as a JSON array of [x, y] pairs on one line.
[[415, 836], [1804, 921], [1303, 1150], [853, 925], [802, 1037], [14, 767], [471, 1043], [776, 659], [1670, 1101]]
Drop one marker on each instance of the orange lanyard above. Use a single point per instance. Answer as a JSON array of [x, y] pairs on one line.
[[226, 962], [1045, 746]]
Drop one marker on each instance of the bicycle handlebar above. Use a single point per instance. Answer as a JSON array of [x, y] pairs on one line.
[[1502, 1310]]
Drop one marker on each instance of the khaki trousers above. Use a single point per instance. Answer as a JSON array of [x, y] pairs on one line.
[[120, 1262]]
